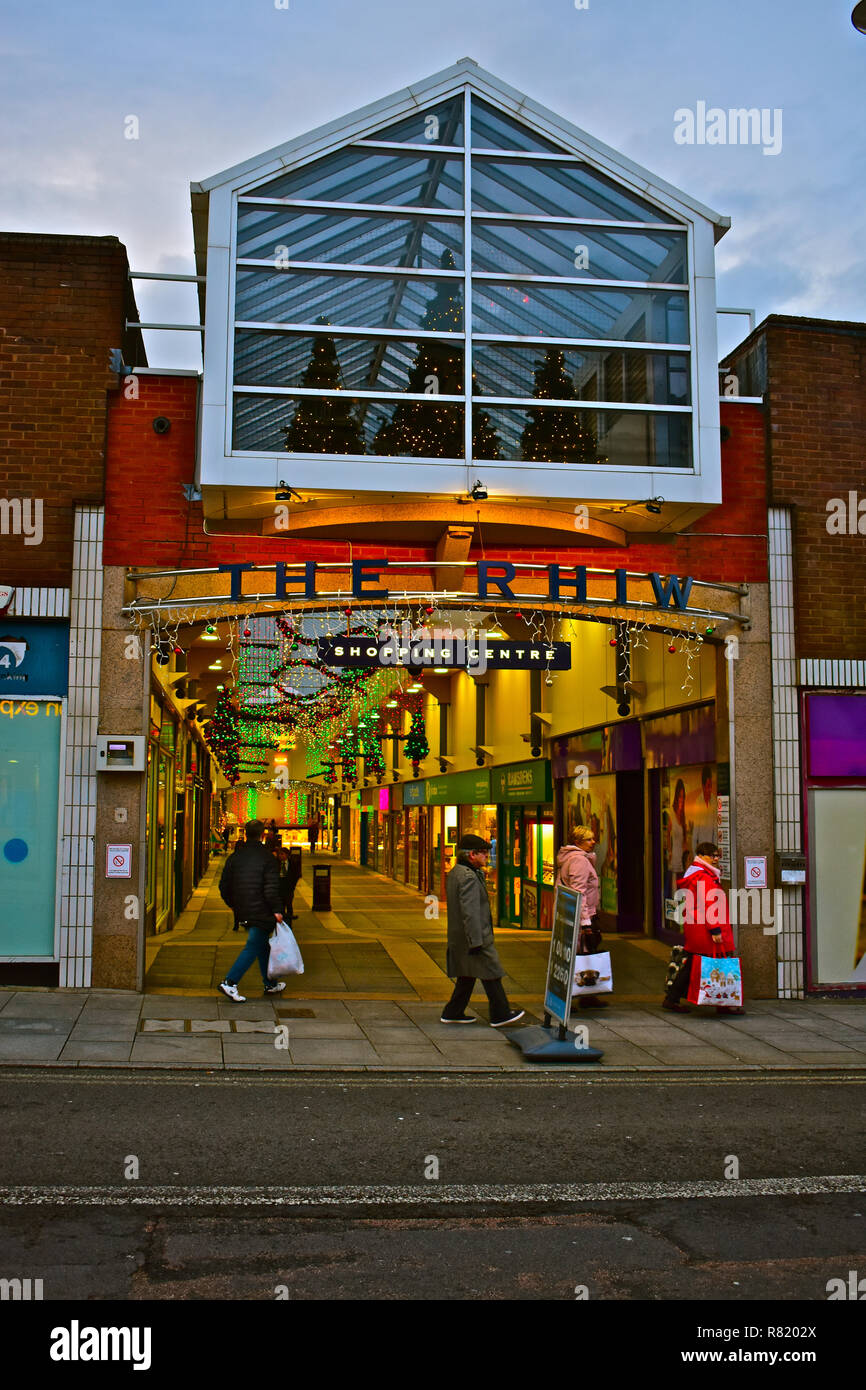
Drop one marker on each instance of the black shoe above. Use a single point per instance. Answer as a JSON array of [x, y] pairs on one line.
[[512, 1018], [464, 1018]]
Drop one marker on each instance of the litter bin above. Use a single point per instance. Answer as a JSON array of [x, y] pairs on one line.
[[321, 887]]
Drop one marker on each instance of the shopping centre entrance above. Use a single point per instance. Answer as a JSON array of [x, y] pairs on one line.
[[299, 713]]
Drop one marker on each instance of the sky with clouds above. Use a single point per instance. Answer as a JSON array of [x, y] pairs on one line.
[[215, 82]]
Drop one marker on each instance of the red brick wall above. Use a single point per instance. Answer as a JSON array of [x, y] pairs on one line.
[[63, 302], [817, 416], [149, 522]]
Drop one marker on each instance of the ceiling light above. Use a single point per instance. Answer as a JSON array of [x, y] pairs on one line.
[[210, 637], [392, 704], [442, 670], [215, 666], [494, 632]]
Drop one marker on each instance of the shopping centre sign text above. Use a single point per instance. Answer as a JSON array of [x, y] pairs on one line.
[[495, 580]]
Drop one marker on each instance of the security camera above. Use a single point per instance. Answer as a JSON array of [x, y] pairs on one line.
[[479, 491], [161, 424], [623, 709]]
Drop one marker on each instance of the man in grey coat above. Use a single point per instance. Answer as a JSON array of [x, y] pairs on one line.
[[471, 953]]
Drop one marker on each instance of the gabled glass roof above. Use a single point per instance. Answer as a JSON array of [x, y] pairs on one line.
[[456, 270]]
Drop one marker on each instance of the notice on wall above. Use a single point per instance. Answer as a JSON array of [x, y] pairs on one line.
[[560, 964], [756, 870], [723, 834], [118, 861]]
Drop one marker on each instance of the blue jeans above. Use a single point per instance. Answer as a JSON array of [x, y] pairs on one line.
[[257, 947]]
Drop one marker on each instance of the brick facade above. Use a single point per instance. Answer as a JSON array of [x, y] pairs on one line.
[[814, 375], [63, 303], [149, 523]]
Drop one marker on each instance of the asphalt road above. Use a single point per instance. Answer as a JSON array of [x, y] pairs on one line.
[[423, 1188]]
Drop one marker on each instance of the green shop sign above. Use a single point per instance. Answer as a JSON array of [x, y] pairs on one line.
[[460, 789], [527, 782]]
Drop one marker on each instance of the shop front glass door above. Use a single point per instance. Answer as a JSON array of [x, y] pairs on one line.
[[838, 885], [512, 865]]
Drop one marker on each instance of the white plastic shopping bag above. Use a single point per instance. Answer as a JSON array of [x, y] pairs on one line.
[[285, 957], [592, 974]]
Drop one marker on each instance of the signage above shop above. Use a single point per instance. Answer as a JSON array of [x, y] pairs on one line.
[[34, 658], [495, 578], [525, 782], [459, 789]]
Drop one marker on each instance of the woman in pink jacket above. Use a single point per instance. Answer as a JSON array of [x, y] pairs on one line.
[[576, 869]]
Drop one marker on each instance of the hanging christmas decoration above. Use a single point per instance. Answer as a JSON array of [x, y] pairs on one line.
[[223, 737]]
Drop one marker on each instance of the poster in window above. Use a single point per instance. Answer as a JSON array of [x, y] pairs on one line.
[[690, 817]]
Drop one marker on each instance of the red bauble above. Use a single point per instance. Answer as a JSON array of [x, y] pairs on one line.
[[247, 632], [428, 610], [671, 648], [612, 642], [348, 612]]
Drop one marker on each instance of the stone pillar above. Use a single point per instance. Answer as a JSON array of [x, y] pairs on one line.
[[749, 686], [118, 933]]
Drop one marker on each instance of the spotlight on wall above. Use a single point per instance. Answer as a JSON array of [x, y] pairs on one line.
[[286, 493], [654, 505], [479, 491]]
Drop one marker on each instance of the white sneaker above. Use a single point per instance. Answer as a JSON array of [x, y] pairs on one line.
[[232, 992], [275, 987]]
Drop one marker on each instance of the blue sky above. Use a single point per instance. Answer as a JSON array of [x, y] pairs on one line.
[[214, 82]]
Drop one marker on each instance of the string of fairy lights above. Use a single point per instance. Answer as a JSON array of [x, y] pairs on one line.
[[275, 693]]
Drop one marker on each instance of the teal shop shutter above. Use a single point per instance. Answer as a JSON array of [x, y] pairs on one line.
[[29, 771]]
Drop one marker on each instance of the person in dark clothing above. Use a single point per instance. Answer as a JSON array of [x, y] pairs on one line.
[[471, 953], [250, 884], [289, 881], [313, 833]]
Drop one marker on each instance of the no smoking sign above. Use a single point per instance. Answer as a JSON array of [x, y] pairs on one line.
[[756, 871], [118, 861]]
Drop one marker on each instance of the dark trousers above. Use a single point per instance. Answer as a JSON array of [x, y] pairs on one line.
[[679, 975], [497, 998], [258, 948]]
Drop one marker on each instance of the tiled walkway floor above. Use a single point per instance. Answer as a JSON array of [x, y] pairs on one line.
[[371, 997], [375, 942]]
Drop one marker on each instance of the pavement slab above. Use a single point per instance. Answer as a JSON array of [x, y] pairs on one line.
[[172, 1048], [82, 1050]]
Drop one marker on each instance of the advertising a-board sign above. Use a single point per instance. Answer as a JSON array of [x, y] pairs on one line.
[[560, 963]]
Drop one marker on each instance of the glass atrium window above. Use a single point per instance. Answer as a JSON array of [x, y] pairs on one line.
[[415, 296]]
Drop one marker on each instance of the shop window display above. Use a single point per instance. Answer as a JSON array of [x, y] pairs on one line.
[[689, 811], [596, 807], [482, 820]]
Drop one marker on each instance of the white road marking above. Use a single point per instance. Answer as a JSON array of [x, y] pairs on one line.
[[428, 1195]]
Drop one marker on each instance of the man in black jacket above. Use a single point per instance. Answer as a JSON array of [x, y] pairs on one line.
[[250, 884]]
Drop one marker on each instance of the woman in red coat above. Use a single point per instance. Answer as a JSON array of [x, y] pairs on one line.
[[707, 925]]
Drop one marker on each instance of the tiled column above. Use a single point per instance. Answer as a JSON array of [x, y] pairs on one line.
[[786, 747], [79, 798]]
